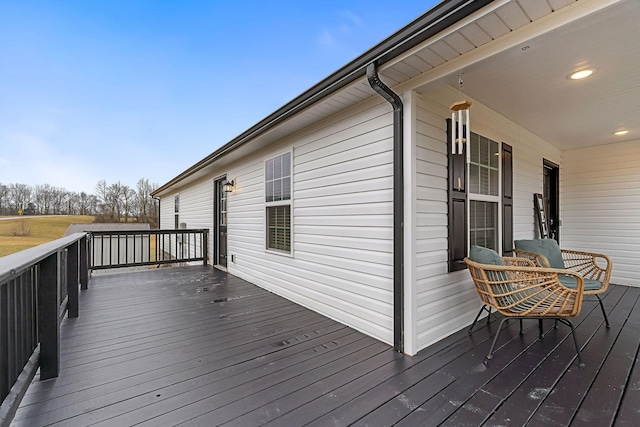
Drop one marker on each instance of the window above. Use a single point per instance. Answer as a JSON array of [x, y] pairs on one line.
[[480, 210], [278, 202], [176, 210], [484, 195]]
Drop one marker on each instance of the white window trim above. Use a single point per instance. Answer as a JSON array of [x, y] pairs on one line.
[[288, 202], [486, 198]]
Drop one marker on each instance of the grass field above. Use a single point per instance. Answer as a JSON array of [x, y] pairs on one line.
[[42, 230]]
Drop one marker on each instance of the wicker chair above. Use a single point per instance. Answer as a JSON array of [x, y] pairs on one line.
[[520, 290], [593, 267], [515, 262]]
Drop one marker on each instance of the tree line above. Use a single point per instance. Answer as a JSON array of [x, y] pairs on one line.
[[110, 203]]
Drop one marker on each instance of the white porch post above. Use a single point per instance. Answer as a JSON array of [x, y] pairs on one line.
[[410, 291]]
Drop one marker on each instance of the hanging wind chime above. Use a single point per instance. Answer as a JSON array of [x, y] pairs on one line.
[[460, 129]]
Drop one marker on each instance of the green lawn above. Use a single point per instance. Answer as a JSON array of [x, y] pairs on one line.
[[40, 230]]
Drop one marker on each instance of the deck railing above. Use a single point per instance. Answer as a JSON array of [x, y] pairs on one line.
[[38, 286], [115, 249]]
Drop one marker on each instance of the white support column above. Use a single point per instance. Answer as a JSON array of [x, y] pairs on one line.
[[410, 290]]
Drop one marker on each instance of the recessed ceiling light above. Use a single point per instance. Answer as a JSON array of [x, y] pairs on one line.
[[582, 74], [621, 132]]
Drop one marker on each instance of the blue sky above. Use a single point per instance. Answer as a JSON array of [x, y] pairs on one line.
[[127, 89]]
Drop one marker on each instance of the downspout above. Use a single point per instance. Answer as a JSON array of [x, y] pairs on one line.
[[398, 204]]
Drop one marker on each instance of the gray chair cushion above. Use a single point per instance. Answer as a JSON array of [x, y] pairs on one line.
[[485, 256], [547, 247], [571, 282]]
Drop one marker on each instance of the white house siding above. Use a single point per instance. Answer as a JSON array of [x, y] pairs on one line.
[[167, 211], [601, 200], [447, 302], [196, 211], [341, 262]]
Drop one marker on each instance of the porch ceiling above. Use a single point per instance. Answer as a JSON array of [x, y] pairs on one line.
[[524, 53], [529, 83]]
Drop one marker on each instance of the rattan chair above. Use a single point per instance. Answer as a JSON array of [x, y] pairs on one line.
[[593, 267], [519, 290], [487, 307]]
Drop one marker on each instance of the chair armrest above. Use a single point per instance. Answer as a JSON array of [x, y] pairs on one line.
[[588, 265]]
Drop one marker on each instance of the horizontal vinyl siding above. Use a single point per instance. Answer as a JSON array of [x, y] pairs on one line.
[[600, 190], [341, 265], [167, 212], [447, 302], [196, 210]]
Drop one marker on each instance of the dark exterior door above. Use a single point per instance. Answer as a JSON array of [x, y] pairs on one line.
[[551, 197], [220, 223]]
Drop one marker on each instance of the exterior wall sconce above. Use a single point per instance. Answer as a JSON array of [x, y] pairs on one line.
[[228, 186]]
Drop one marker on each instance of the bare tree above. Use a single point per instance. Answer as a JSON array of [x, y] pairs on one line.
[[112, 203], [128, 197], [59, 201], [43, 197], [4, 199], [145, 202], [83, 203], [20, 197]]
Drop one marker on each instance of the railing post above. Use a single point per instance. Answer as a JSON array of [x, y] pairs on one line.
[[84, 262], [205, 246], [72, 279], [48, 306]]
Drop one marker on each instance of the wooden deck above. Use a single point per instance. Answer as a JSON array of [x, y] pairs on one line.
[[194, 346]]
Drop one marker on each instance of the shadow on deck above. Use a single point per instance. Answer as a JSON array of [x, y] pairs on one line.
[[195, 346]]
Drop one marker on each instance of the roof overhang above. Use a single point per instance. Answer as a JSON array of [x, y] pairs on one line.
[[435, 20], [515, 55]]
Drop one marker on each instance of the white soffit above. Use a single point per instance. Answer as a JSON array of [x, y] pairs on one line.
[[524, 51]]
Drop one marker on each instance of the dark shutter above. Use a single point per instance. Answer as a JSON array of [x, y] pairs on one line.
[[457, 205], [507, 199]]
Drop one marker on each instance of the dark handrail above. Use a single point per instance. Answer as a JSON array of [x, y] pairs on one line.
[[133, 248], [37, 287]]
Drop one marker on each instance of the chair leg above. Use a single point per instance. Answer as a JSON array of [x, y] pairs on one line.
[[495, 339], [540, 328], [575, 342], [604, 313], [483, 308]]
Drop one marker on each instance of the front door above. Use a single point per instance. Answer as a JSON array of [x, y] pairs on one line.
[[220, 219], [551, 197]]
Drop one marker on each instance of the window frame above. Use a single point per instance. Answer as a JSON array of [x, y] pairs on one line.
[[278, 203], [176, 211], [459, 200], [488, 198]]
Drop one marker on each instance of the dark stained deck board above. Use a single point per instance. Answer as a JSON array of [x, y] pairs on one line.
[[603, 398], [523, 400], [562, 402], [418, 385], [488, 381], [194, 346]]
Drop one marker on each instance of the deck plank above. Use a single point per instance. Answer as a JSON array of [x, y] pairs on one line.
[[524, 398], [603, 398], [488, 382], [356, 404], [195, 346]]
